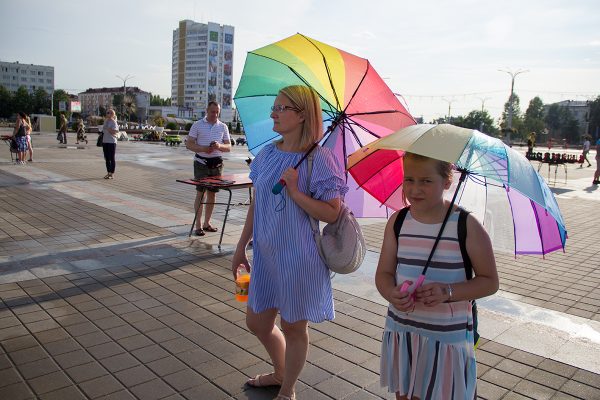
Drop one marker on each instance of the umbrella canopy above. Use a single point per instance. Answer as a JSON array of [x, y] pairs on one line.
[[358, 107], [503, 189]]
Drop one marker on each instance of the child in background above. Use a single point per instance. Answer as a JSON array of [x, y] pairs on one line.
[[427, 344]]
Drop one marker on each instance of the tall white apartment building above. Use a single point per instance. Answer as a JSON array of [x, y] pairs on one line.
[[15, 74], [202, 68]]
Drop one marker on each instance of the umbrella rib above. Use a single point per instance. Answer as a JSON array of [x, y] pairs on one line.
[[299, 77], [326, 69]]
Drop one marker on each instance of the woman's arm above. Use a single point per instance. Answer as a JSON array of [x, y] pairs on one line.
[[239, 257], [385, 276], [326, 211]]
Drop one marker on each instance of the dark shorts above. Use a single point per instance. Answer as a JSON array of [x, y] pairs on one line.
[[202, 171]]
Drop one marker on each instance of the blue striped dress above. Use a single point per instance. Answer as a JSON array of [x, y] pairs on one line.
[[428, 353], [287, 272]]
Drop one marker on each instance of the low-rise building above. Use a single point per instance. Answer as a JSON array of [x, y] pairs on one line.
[[94, 99], [31, 76]]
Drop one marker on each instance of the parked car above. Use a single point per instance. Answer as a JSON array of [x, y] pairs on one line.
[[241, 140], [172, 139]]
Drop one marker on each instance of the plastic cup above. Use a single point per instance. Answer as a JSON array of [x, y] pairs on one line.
[[242, 282]]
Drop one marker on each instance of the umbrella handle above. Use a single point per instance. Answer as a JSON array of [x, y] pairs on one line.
[[278, 187], [405, 286]]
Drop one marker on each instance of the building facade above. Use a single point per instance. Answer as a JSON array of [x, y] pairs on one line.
[[202, 67], [579, 110], [14, 74], [92, 99]]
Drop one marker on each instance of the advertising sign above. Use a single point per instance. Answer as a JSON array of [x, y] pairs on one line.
[[76, 106]]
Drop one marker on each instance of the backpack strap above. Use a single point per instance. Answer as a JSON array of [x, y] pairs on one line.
[[399, 220], [462, 241]]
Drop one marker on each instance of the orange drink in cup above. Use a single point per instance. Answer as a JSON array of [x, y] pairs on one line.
[[242, 282]]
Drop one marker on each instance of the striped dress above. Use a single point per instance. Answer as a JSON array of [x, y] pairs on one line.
[[287, 272], [428, 353]]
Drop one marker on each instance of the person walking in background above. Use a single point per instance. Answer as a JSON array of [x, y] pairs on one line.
[[586, 149], [110, 133], [596, 180], [428, 341], [530, 143], [288, 275], [209, 139], [62, 130], [20, 136], [81, 137]]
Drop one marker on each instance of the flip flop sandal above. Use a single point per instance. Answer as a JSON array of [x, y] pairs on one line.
[[259, 381], [210, 228], [199, 232]]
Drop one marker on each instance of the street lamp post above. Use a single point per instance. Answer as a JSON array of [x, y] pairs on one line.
[[513, 75], [124, 90], [449, 107]]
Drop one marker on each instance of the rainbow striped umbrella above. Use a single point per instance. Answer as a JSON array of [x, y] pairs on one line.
[[358, 107]]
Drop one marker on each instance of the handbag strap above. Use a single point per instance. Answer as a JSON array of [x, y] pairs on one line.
[[314, 224]]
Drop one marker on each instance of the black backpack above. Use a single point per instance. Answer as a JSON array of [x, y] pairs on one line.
[[462, 241]]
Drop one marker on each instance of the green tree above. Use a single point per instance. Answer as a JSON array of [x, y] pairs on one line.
[[6, 102], [482, 121], [553, 121], [117, 103], [517, 118], [594, 118], [60, 95], [130, 107], [562, 124], [534, 116], [22, 100], [156, 100], [41, 101]]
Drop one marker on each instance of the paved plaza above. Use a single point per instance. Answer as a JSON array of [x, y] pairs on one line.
[[103, 295]]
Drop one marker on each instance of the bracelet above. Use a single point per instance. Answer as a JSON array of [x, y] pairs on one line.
[[449, 291]]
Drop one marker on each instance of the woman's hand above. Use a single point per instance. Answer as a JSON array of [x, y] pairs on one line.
[[432, 294], [239, 258], [402, 301], [290, 176]]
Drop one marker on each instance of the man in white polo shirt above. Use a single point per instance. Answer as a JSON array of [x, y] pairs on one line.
[[208, 138]]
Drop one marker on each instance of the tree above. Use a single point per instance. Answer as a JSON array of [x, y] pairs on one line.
[[594, 118], [517, 119], [22, 100], [6, 102], [40, 101], [156, 100], [534, 116], [562, 124], [130, 107], [118, 101], [60, 95]]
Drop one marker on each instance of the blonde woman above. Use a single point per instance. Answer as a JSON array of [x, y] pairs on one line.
[[110, 133], [27, 121], [288, 276], [20, 135]]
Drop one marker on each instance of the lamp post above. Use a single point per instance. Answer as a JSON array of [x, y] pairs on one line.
[[513, 75], [449, 107], [124, 90]]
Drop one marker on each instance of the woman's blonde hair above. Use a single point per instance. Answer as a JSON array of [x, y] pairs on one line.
[[113, 113], [307, 102]]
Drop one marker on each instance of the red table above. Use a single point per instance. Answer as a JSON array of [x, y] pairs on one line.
[[225, 182]]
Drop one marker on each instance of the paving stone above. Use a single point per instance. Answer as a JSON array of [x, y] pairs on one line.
[[19, 343], [16, 391], [336, 387], [105, 350], [151, 390], [27, 355], [62, 346], [134, 342], [166, 366], [93, 339], [150, 353], [8, 377], [581, 390], [38, 368], [207, 391], [73, 358], [49, 382], [489, 391], [119, 362], [51, 335], [101, 386], [67, 393], [134, 376], [534, 390], [85, 372], [184, 380]]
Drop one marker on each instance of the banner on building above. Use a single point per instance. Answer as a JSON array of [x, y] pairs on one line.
[[62, 106], [76, 106]]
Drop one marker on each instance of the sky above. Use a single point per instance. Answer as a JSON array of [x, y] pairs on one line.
[[443, 57]]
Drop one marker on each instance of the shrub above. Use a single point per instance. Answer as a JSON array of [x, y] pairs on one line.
[[188, 126], [171, 126]]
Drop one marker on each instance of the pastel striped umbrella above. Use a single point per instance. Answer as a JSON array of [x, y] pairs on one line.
[[358, 107], [501, 187]]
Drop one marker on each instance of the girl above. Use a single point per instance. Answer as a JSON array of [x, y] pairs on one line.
[[25, 118], [427, 350], [288, 275]]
